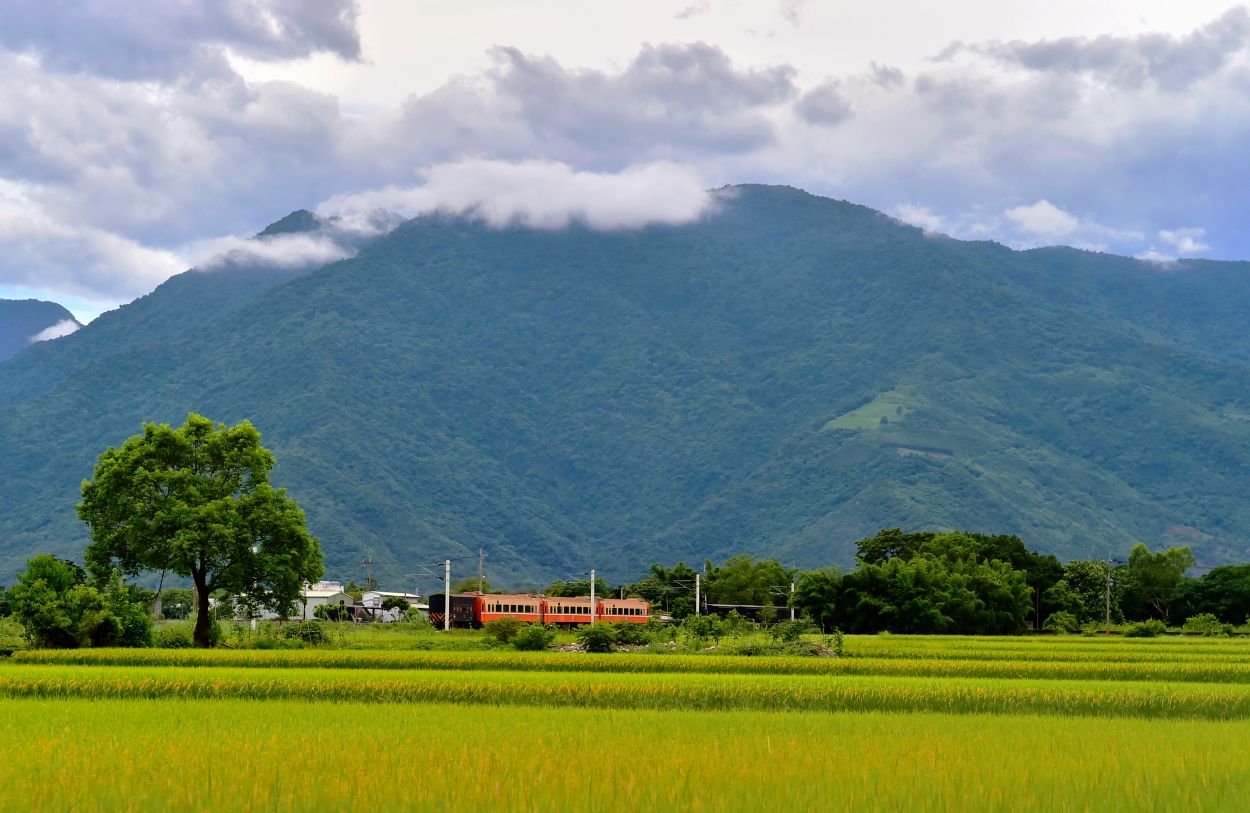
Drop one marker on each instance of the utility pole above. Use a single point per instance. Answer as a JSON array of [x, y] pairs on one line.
[[592, 595], [1107, 627], [481, 567], [696, 594], [791, 601], [446, 595], [367, 564]]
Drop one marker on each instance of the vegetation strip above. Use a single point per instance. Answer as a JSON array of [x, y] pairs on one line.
[[673, 691], [1194, 670]]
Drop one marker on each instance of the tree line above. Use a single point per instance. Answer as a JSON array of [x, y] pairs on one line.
[[964, 583]]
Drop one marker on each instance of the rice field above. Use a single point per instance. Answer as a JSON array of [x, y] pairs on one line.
[[901, 723], [1126, 665]]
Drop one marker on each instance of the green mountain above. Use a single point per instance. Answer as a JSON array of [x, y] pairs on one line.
[[783, 377], [181, 305], [21, 320]]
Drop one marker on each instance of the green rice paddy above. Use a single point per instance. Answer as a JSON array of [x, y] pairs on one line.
[[901, 723]]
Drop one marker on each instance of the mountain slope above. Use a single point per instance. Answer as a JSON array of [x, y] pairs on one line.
[[179, 306], [23, 319], [783, 377]]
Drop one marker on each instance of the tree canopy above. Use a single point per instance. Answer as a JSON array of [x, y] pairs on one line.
[[196, 501], [59, 609], [743, 580], [1153, 579]]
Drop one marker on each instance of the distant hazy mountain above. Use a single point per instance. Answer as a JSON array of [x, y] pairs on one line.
[[781, 378], [25, 321]]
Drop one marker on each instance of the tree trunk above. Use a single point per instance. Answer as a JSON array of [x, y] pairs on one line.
[[203, 617]]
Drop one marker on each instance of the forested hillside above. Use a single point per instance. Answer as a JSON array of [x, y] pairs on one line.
[[21, 320], [782, 378]]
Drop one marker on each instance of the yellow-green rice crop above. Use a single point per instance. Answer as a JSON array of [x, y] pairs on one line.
[[642, 691], [141, 756], [1196, 668]]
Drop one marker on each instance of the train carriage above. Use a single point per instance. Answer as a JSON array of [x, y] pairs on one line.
[[626, 610], [463, 611], [472, 610], [491, 606], [566, 611]]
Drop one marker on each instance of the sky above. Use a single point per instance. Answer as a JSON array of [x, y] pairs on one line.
[[142, 137]]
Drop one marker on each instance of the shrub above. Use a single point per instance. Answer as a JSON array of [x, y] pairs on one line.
[[837, 642], [698, 628], [737, 626], [11, 634], [1207, 624], [1061, 621], [533, 638], [1146, 629], [396, 603], [631, 634], [58, 610], [330, 612], [503, 629], [174, 636], [598, 637], [309, 632], [788, 632]]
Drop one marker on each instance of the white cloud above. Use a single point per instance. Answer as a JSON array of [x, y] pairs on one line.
[[1185, 241], [919, 215], [693, 10], [1172, 62], [1152, 255], [1043, 219], [539, 194], [61, 328], [126, 154], [792, 11], [281, 250], [40, 252], [142, 39]]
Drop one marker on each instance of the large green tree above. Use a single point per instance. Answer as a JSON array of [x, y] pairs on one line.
[[1224, 592], [1153, 579], [743, 580], [817, 595], [196, 501]]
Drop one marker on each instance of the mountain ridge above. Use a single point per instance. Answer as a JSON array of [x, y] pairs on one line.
[[21, 320], [781, 377]]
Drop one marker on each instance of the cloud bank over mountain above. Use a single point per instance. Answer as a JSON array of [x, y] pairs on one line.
[[132, 138], [539, 194]]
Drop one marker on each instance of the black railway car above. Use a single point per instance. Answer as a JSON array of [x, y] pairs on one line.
[[462, 611], [754, 612]]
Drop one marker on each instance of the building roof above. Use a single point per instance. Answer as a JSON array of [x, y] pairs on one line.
[[323, 593]]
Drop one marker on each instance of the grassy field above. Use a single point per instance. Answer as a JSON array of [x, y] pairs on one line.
[[900, 723]]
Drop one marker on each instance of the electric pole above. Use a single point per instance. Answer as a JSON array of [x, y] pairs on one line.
[[696, 594], [1107, 627], [367, 564], [481, 569], [446, 595], [592, 595]]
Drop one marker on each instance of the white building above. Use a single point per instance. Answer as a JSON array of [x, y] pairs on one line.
[[372, 600], [314, 596]]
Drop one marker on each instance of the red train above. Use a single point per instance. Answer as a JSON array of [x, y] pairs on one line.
[[472, 610]]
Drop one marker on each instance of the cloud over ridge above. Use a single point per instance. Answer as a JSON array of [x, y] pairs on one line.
[[538, 194]]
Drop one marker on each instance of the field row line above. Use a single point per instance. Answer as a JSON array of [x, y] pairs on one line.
[[669, 692]]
